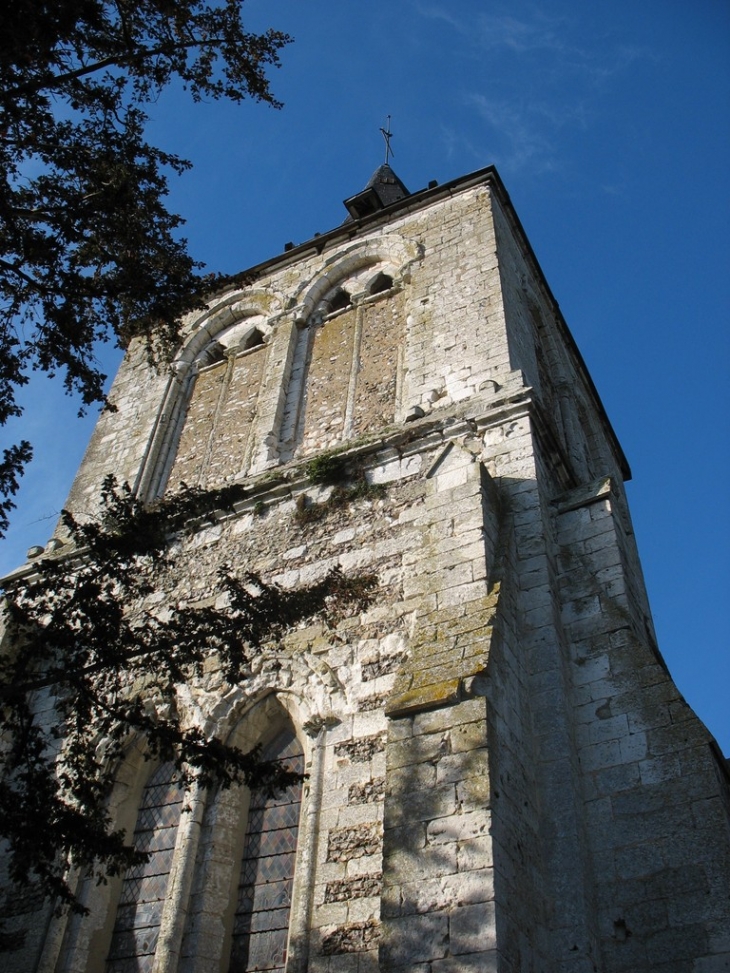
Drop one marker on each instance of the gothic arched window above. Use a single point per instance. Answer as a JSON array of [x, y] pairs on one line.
[[347, 384], [215, 430], [144, 887], [261, 923]]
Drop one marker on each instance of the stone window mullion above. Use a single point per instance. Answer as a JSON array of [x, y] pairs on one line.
[[354, 369]]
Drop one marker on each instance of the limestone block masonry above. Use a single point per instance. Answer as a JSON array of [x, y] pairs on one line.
[[502, 775]]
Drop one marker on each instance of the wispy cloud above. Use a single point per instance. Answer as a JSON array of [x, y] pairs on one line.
[[519, 35], [515, 135], [533, 31], [491, 31], [540, 77], [457, 144], [432, 12], [524, 132]]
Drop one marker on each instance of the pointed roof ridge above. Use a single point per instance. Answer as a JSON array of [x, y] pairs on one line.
[[384, 176], [382, 189]]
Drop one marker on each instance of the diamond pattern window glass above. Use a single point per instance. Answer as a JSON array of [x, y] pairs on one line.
[[261, 924], [139, 913]]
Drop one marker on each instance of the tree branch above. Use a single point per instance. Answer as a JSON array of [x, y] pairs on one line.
[[12, 268], [114, 60], [51, 677]]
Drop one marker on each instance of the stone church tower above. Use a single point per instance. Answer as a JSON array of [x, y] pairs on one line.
[[502, 775]]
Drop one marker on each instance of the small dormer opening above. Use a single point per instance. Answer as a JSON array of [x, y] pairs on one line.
[[363, 204], [382, 282], [339, 301], [252, 340], [213, 354]]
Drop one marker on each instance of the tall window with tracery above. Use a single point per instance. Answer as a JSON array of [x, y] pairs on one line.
[[261, 924], [350, 375], [215, 437], [144, 887]]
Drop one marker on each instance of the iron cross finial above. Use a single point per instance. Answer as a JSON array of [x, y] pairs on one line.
[[387, 135]]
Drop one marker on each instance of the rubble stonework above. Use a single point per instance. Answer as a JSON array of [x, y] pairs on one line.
[[501, 774]]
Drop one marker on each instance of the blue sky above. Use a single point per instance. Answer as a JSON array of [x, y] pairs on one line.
[[608, 123]]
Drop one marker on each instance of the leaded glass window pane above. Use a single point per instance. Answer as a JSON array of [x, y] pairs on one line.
[[261, 924], [144, 887]]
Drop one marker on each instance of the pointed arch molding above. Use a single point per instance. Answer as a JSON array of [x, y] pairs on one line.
[[344, 347], [305, 687], [392, 252], [254, 720], [203, 331], [279, 319], [219, 317]]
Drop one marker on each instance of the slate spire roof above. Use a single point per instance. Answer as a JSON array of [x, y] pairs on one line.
[[383, 188], [387, 185]]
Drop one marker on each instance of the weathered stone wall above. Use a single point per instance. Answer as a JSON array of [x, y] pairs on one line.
[[435, 339], [655, 787], [502, 775], [120, 439], [214, 442]]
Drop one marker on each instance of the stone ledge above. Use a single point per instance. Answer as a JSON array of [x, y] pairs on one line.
[[445, 693], [584, 495]]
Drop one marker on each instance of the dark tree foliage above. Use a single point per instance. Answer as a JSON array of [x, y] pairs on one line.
[[88, 251], [11, 468], [85, 650]]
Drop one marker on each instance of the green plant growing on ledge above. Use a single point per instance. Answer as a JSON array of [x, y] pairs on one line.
[[347, 479], [327, 469]]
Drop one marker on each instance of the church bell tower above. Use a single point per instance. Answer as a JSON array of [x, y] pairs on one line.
[[501, 773]]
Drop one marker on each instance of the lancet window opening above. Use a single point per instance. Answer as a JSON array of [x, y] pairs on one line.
[[211, 442], [349, 355], [263, 909], [144, 887]]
